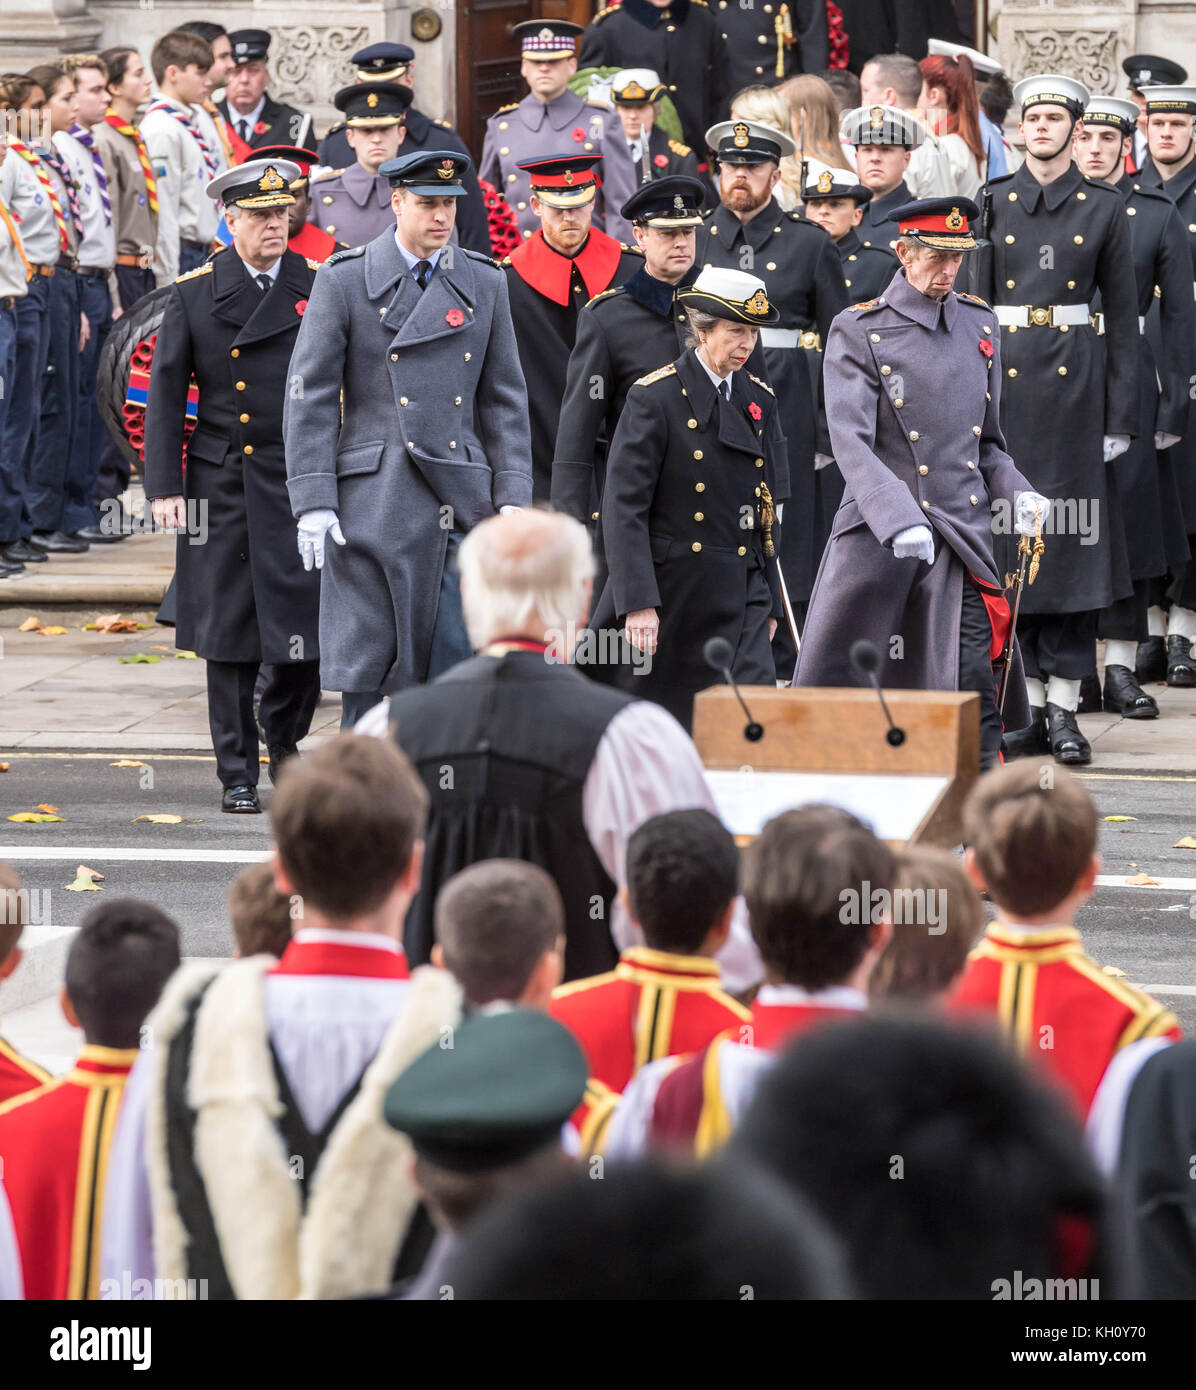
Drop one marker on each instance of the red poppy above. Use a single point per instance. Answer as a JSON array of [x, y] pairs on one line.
[[754, 411], [455, 318], [301, 307], [661, 161], [578, 134], [260, 128], [986, 346]]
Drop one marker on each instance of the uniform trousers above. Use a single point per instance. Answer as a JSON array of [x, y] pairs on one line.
[[10, 495], [133, 284], [976, 670], [46, 497], [288, 702], [1125, 620], [24, 409], [90, 435], [1058, 644]]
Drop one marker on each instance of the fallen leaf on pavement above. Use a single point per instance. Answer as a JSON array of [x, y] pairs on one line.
[[186, 656], [160, 820], [1142, 881], [86, 881], [30, 625], [1121, 817], [141, 659], [4, 767], [1113, 970], [127, 762], [51, 632], [44, 806], [1188, 842], [114, 622], [34, 816]]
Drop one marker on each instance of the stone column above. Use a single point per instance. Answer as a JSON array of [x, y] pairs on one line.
[[37, 31]]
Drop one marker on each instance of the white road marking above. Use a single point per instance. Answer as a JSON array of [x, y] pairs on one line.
[[28, 853], [1119, 881], [1168, 989]]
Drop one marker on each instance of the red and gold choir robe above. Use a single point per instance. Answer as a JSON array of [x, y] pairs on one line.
[[55, 1143], [1057, 1004], [314, 243], [653, 1004], [18, 1074]]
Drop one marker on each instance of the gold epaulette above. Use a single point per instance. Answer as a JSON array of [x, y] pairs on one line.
[[765, 384], [866, 306], [441, 122], [313, 265], [704, 3], [605, 294], [974, 299], [678, 148], [635, 250], [502, 110], [610, 9], [205, 269], [506, 261], [328, 173], [658, 375]]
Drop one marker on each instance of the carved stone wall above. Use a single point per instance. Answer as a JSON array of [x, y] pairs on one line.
[[1084, 39]]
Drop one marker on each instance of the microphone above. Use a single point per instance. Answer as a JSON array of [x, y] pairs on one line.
[[866, 659], [718, 654]]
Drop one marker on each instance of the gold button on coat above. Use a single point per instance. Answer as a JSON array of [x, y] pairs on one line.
[[743, 549], [885, 370], [926, 505], [248, 449], [468, 355], [914, 435], [697, 545], [244, 419], [971, 463], [1008, 284], [875, 337], [504, 150], [899, 402], [1062, 371], [693, 424], [240, 386], [697, 453], [973, 499], [1009, 239], [402, 400], [699, 487], [699, 516], [1078, 239], [759, 463], [1013, 371], [394, 356], [327, 200], [923, 469], [976, 429], [236, 352]]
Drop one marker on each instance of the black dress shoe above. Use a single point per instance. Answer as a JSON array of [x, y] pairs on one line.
[[96, 535], [10, 567], [23, 552], [279, 754], [1068, 745], [241, 800], [58, 541], [1124, 696], [1089, 696], [1026, 743], [1181, 669], [1151, 664]]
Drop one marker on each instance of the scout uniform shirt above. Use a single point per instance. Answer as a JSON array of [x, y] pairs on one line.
[[25, 198], [55, 1142], [97, 246], [133, 218], [1057, 1004], [653, 1004], [351, 205], [14, 280], [185, 212]]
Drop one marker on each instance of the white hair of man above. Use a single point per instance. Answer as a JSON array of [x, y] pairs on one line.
[[529, 573]]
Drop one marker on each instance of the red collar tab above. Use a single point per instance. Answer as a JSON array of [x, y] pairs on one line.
[[335, 958], [549, 273]]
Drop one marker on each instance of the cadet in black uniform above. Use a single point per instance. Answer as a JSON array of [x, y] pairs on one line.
[[884, 137], [769, 42], [681, 42], [1070, 400], [393, 62], [835, 201], [687, 513], [637, 94], [1171, 166], [621, 336], [1150, 496], [798, 262], [550, 278], [244, 598]]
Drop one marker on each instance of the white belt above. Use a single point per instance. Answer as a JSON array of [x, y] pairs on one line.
[[1098, 322], [790, 338], [1053, 316]]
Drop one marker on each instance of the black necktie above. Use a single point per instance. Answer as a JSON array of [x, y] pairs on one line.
[[243, 128], [264, 281], [423, 273]]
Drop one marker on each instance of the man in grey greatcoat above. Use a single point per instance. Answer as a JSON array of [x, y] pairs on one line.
[[909, 564], [406, 346]]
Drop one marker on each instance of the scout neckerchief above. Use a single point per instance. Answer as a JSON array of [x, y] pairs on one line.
[[209, 159], [58, 163], [24, 152], [132, 133], [88, 141], [6, 218]]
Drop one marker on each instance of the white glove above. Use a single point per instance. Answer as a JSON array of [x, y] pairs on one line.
[[1163, 440], [313, 527], [1023, 512], [1115, 446], [508, 509], [822, 461], [914, 543]]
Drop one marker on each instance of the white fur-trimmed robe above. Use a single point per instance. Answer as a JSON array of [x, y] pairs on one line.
[[361, 1198]]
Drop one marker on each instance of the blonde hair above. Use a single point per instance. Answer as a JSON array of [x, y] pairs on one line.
[[815, 99], [764, 104], [72, 62]]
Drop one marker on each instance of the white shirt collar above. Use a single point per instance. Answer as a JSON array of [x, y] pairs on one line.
[[412, 260], [375, 941], [833, 997], [270, 270], [718, 380], [235, 118]]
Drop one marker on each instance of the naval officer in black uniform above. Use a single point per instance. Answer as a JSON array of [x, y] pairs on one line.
[[687, 513], [884, 138], [1150, 496], [622, 335], [244, 598]]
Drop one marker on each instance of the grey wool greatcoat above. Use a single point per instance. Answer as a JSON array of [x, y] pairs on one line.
[[434, 438], [242, 591], [933, 455]]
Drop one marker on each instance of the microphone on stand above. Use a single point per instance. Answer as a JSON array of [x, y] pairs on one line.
[[718, 654], [866, 659]]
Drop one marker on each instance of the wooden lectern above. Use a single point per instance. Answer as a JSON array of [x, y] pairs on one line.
[[830, 745]]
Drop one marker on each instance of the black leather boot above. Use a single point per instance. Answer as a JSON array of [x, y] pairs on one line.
[[1089, 696], [1026, 743], [1068, 745], [1124, 696], [1151, 664], [1181, 669]]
